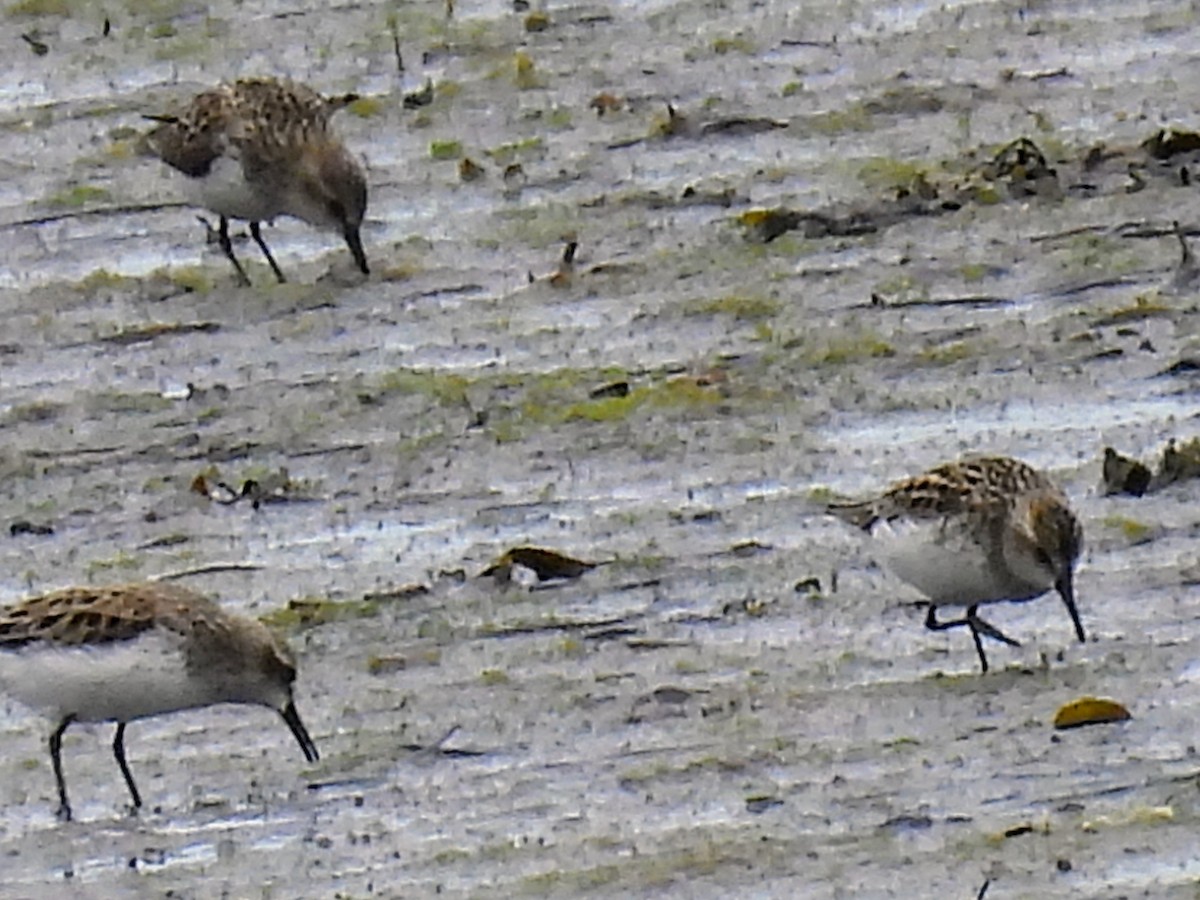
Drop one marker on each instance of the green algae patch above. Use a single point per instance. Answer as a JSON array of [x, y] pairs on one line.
[[741, 307], [493, 677], [30, 8], [1092, 252], [445, 150], [525, 73], [102, 279], [883, 174], [528, 148], [447, 389], [79, 196], [945, 354], [365, 107], [723, 46], [559, 118], [855, 117], [1144, 307], [124, 402], [183, 46], [678, 393], [192, 279], [34, 412], [1131, 529], [119, 562], [607, 409], [308, 612], [823, 494], [902, 289], [840, 351], [973, 273]]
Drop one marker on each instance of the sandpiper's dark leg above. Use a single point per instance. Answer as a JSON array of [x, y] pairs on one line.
[[258, 239], [972, 621], [933, 624], [988, 629], [227, 248], [64, 808], [119, 753], [983, 665], [978, 627]]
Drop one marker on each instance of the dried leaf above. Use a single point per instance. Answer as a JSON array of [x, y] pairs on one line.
[[544, 564], [1090, 711]]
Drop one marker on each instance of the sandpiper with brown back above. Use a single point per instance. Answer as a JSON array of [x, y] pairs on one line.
[[259, 148], [126, 652], [977, 531]]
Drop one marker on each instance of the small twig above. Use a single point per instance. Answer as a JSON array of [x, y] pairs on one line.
[[325, 451], [207, 570], [436, 746], [87, 213], [1070, 232], [39, 47], [396, 47], [1060, 72]]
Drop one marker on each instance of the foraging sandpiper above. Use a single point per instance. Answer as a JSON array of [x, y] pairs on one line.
[[260, 148], [125, 652], [981, 530]]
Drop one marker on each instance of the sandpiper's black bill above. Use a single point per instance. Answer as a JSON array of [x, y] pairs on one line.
[[306, 743], [354, 242], [1066, 589]]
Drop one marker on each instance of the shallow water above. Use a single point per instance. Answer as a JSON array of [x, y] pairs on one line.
[[681, 721]]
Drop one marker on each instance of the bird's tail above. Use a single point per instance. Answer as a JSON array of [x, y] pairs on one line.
[[861, 514], [340, 101]]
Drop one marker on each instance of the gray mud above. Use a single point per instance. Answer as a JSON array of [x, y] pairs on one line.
[[681, 721]]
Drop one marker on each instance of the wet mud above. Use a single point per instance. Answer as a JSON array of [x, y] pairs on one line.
[[818, 249]]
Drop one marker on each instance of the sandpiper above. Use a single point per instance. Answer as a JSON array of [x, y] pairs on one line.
[[980, 530], [125, 652], [260, 148]]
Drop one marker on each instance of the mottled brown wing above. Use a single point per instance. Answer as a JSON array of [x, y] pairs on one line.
[[76, 616], [98, 615], [281, 101], [274, 119], [966, 485], [1002, 475]]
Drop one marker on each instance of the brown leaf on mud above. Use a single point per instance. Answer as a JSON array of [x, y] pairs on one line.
[[1123, 475], [612, 389], [274, 487], [1179, 462], [141, 333], [605, 102], [469, 170], [545, 564], [1090, 711], [1165, 143]]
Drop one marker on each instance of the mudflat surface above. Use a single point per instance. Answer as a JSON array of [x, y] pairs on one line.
[[739, 702]]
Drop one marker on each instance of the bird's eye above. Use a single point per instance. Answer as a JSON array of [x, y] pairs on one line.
[[1044, 558]]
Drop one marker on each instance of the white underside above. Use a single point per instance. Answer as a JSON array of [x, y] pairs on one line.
[[117, 681], [944, 564], [226, 192]]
